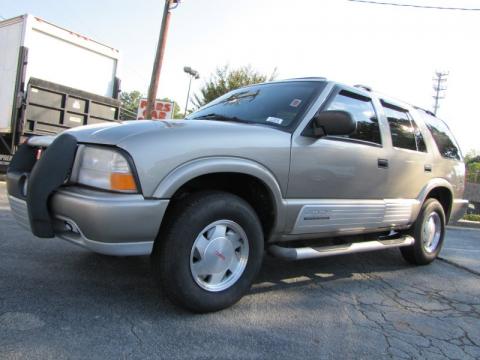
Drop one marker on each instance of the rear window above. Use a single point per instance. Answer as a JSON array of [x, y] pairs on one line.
[[447, 146]]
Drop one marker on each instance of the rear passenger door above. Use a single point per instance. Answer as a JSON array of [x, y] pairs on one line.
[[410, 165]]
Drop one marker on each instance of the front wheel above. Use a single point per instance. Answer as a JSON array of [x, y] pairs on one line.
[[210, 252], [428, 232]]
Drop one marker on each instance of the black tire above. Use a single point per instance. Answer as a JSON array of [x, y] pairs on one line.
[[171, 256], [418, 253]]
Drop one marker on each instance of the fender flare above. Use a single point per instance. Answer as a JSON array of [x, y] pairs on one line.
[[432, 184], [210, 165]]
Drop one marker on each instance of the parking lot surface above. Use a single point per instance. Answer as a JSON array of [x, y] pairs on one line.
[[58, 301]]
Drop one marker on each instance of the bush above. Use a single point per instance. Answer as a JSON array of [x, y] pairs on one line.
[[472, 217]]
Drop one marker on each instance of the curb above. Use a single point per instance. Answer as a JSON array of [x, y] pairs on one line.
[[472, 225]]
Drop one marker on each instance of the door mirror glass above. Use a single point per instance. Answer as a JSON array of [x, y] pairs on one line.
[[333, 122]]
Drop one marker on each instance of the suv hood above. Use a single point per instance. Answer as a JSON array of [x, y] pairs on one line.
[[114, 133], [139, 130], [158, 147]]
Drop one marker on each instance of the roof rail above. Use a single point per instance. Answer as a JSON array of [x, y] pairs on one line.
[[364, 87], [310, 78], [427, 111]]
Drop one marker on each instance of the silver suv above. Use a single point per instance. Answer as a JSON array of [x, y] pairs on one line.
[[303, 168]]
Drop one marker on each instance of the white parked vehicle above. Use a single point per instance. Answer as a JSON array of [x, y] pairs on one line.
[[52, 79]]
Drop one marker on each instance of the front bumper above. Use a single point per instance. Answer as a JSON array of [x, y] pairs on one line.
[[109, 223], [106, 223]]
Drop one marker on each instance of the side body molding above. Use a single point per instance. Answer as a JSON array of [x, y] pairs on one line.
[[204, 166]]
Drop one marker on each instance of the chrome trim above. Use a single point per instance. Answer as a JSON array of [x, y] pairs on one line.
[[317, 252], [351, 215]]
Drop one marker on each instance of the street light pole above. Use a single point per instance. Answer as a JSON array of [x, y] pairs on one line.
[[192, 74], [157, 65], [188, 97]]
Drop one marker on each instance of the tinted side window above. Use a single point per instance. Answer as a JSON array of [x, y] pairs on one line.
[[419, 138], [363, 112], [443, 137], [403, 134]]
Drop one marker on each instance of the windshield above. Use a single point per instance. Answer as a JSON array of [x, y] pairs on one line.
[[276, 104]]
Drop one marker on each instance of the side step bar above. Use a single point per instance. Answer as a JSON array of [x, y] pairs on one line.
[[289, 253]]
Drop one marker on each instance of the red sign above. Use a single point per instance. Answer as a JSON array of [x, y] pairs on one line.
[[162, 110]]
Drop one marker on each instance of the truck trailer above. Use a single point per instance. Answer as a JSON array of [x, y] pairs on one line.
[[52, 79]]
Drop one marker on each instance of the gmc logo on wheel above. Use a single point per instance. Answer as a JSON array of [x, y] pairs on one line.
[[220, 255]]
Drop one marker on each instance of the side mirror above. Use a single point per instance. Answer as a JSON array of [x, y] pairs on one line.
[[333, 122]]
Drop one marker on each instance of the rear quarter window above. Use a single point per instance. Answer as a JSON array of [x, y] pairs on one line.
[[446, 144]]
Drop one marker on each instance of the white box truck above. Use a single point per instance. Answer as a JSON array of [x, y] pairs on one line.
[[52, 79]]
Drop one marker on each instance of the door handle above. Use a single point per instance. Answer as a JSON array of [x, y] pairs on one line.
[[428, 168], [383, 163]]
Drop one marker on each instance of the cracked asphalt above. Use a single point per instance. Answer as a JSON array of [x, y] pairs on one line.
[[58, 301]]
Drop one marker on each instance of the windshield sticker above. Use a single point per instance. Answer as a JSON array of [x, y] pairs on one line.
[[295, 102], [275, 120]]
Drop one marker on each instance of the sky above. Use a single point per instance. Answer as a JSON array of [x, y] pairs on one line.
[[394, 50]]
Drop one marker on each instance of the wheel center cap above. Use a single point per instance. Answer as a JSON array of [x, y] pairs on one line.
[[218, 254]]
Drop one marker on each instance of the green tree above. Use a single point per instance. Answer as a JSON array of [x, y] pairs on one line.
[[472, 157], [472, 162], [130, 101], [225, 79]]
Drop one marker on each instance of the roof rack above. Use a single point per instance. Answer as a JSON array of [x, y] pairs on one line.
[[310, 78], [427, 111], [364, 87]]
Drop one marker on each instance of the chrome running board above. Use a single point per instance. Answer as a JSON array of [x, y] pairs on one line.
[[289, 253]]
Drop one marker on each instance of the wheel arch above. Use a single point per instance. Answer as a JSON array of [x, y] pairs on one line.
[[224, 173], [441, 190]]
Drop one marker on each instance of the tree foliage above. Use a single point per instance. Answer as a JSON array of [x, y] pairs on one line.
[[472, 157], [472, 162], [130, 101], [225, 79]]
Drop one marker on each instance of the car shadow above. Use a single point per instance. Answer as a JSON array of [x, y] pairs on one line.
[[134, 273]]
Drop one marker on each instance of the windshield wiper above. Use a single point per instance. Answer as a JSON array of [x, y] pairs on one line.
[[219, 117]]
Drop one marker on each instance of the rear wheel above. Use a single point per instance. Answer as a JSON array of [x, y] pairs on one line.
[[210, 252], [429, 233]]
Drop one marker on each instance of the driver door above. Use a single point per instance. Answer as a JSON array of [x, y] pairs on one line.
[[338, 183]]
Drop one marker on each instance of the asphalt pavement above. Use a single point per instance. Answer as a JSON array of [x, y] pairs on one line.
[[58, 301]]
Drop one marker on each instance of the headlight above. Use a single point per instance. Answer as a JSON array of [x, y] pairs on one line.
[[105, 169]]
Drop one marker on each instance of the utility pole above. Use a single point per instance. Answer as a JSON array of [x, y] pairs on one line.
[[439, 86], [157, 65]]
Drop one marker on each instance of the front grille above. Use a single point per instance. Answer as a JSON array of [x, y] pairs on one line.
[[20, 212]]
